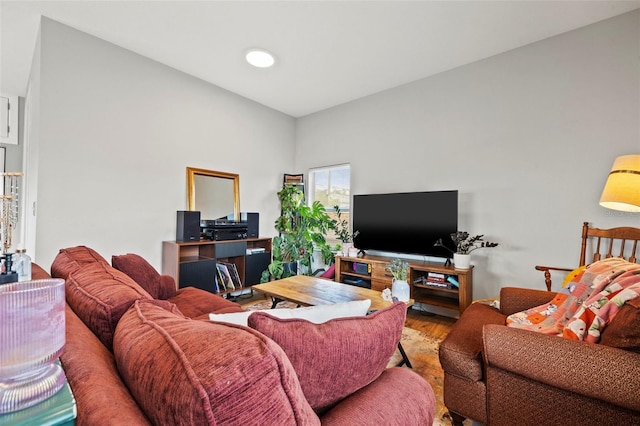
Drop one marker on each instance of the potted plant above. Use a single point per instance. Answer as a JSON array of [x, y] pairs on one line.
[[399, 287], [465, 244], [301, 229], [341, 227]]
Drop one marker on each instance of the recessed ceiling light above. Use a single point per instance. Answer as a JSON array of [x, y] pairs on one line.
[[260, 58]]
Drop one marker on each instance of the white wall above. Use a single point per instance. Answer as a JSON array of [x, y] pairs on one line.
[[116, 132], [527, 137]]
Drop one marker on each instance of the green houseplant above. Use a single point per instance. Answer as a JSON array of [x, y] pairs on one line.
[[465, 244], [342, 231], [301, 229], [399, 269]]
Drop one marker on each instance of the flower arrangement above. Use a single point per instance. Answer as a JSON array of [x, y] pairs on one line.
[[465, 244], [342, 227], [399, 269]]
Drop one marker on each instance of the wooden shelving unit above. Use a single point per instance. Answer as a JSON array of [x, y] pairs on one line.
[[378, 278], [194, 263]]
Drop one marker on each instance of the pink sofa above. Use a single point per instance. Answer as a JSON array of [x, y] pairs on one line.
[[140, 352]]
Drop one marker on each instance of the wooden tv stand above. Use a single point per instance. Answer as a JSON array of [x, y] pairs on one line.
[[379, 278]]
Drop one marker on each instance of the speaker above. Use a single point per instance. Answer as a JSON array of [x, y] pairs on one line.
[[253, 224], [188, 226]]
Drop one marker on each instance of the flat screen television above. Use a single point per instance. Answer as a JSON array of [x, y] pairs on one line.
[[408, 222]]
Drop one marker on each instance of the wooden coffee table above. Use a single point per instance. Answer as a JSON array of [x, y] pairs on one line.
[[312, 291]]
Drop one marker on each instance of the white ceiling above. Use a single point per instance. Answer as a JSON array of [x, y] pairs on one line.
[[328, 52]]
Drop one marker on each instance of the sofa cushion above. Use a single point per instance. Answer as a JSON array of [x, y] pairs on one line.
[[91, 370], [378, 402], [195, 303], [315, 314], [100, 295], [73, 258], [624, 330], [336, 358], [460, 352], [158, 286], [203, 373]]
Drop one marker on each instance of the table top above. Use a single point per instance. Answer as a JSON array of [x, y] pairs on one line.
[[313, 291], [60, 410]]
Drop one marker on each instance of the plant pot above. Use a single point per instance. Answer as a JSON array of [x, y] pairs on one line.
[[290, 269], [400, 290], [345, 248], [461, 261]]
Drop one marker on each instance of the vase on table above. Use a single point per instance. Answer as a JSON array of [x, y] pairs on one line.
[[32, 336], [461, 261], [400, 290]]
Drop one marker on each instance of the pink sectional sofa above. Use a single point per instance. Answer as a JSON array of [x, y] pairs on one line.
[[140, 352]]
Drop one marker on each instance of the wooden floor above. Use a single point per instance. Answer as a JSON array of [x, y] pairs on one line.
[[437, 326]]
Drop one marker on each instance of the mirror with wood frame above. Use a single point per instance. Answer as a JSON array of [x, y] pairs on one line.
[[214, 194]]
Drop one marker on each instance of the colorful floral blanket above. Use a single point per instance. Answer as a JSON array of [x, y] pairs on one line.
[[583, 308]]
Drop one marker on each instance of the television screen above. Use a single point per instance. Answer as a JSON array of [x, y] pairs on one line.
[[409, 222]]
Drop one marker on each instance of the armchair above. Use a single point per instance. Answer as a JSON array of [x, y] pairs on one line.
[[499, 375], [495, 374]]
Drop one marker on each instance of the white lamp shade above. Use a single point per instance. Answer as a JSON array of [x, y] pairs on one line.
[[622, 190]]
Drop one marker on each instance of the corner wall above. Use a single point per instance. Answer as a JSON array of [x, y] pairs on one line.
[[116, 133], [527, 137]]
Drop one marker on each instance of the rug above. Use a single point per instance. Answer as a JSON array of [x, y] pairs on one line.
[[422, 351]]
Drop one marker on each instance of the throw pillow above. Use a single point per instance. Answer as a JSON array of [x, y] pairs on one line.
[[73, 258], [624, 330], [144, 274], [100, 295], [336, 358], [574, 275], [329, 273], [315, 314], [183, 371]]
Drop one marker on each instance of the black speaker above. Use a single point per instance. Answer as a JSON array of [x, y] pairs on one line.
[[253, 224], [188, 226]]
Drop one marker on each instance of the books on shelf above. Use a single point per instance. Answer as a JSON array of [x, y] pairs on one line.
[[233, 275], [436, 277], [256, 250], [228, 279], [220, 279], [437, 280]]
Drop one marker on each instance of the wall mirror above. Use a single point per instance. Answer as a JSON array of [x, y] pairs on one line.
[[213, 194]]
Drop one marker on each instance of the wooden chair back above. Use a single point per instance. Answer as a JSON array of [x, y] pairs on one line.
[[615, 242], [604, 243]]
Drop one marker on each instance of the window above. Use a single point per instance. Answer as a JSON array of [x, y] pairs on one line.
[[331, 186]]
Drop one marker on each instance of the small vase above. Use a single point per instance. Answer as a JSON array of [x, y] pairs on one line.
[[400, 290], [32, 337], [461, 261], [345, 248]]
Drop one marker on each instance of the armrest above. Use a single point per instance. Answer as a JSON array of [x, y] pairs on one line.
[[591, 370], [547, 273], [166, 287], [515, 299]]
